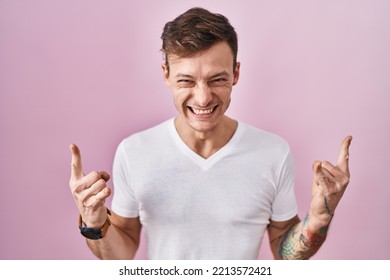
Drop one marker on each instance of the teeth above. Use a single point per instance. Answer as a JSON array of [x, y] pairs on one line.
[[202, 112]]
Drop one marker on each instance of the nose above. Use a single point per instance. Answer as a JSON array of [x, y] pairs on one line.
[[203, 95]]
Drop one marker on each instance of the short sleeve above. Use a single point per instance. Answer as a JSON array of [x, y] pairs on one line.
[[124, 202], [284, 206]]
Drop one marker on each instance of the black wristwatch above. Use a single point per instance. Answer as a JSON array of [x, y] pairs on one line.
[[95, 234]]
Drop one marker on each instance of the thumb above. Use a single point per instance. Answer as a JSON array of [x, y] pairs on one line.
[[76, 167]]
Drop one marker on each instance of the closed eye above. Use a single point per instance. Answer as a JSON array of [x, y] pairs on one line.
[[185, 83], [218, 82]]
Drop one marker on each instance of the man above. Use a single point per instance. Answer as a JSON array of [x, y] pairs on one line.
[[202, 185]]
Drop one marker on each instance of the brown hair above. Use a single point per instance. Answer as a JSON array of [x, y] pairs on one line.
[[197, 30]]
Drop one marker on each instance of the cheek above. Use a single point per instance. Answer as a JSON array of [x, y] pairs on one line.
[[224, 94], [226, 103], [228, 87], [180, 97]]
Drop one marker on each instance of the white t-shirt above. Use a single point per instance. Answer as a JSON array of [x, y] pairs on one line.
[[196, 208]]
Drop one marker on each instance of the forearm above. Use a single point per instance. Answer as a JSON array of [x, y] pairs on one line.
[[116, 244], [304, 239]]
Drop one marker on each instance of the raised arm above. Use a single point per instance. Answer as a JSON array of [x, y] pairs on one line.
[[90, 191], [295, 239]]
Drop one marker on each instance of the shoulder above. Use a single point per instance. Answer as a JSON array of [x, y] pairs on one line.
[[148, 137], [143, 146], [263, 140]]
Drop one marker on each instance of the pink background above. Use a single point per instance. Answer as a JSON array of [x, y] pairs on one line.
[[89, 72]]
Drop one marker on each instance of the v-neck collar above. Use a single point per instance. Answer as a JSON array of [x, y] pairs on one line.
[[203, 163]]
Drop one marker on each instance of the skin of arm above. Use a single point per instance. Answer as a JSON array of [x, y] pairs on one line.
[[295, 239], [121, 240]]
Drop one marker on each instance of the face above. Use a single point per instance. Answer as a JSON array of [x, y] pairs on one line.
[[201, 86]]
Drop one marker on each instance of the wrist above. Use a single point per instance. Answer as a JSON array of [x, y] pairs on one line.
[[95, 232], [322, 209]]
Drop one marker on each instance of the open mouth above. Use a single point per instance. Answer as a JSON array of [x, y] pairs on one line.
[[202, 112]]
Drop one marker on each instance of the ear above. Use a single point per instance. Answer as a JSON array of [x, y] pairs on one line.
[[165, 73], [236, 73]]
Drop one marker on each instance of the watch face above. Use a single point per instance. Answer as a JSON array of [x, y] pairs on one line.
[[91, 233]]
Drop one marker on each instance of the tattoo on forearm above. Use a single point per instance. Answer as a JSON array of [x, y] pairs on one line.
[[287, 247], [302, 243], [327, 207]]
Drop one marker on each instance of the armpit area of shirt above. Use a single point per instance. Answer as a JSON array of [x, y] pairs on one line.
[[284, 217]]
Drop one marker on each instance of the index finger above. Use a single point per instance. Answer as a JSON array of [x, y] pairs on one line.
[[343, 161], [76, 167]]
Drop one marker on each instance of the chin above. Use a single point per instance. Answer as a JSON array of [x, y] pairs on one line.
[[202, 126]]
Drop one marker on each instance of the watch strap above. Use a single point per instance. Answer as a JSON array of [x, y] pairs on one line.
[[95, 234]]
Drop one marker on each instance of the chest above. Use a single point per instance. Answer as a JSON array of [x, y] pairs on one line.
[[178, 192]]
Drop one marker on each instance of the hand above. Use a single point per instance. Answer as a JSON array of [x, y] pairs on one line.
[[89, 191], [330, 182]]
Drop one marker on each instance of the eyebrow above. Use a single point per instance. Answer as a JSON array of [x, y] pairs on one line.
[[223, 73], [183, 76]]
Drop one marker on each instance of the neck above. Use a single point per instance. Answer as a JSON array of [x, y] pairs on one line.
[[209, 142]]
